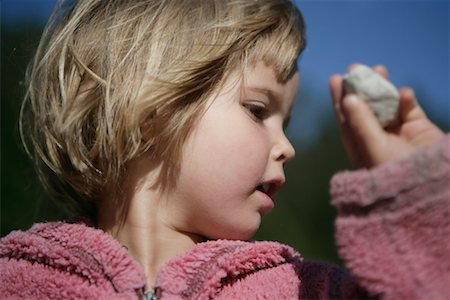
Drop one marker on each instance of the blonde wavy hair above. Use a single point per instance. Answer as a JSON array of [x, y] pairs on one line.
[[106, 71]]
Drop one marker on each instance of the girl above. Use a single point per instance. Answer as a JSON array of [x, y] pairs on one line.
[[160, 124]]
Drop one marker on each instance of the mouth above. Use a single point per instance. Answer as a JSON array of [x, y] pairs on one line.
[[270, 188]]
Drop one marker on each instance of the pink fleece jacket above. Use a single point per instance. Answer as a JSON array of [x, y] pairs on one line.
[[393, 231]]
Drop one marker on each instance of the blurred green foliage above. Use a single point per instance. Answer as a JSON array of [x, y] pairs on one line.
[[23, 202]]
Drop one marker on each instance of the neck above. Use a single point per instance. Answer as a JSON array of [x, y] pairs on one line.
[[144, 228]]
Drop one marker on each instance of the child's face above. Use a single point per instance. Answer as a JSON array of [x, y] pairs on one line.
[[237, 146]]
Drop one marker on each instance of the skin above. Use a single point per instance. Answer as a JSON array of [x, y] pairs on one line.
[[366, 142], [236, 145]]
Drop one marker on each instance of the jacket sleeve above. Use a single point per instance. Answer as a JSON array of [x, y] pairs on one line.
[[393, 225]]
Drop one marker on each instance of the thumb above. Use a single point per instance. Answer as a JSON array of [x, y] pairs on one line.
[[362, 124]]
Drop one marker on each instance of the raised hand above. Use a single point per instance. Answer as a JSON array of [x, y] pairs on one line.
[[365, 140]]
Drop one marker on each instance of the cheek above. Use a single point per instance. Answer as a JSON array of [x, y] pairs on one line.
[[239, 157], [230, 152]]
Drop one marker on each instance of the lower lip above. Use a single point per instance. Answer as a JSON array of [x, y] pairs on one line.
[[267, 203]]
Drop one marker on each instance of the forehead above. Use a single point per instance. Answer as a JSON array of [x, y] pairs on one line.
[[262, 78]]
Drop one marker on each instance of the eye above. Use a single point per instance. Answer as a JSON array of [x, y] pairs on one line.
[[258, 111]]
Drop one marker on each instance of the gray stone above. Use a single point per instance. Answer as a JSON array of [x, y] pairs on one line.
[[381, 95]]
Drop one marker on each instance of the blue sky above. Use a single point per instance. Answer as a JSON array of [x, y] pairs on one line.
[[410, 37]]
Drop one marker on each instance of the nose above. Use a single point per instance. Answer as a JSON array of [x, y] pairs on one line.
[[283, 150]]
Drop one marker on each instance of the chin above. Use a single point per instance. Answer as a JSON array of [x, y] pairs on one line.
[[241, 234]]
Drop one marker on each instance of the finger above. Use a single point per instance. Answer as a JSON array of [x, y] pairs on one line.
[[336, 87], [410, 109], [380, 69], [337, 92], [362, 124]]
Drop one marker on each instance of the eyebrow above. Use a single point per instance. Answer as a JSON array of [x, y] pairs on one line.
[[274, 98]]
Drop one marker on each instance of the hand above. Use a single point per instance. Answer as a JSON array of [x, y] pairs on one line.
[[366, 142]]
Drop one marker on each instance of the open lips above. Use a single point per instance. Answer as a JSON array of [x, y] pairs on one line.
[[270, 188]]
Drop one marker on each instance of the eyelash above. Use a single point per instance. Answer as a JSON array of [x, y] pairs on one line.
[[258, 111]]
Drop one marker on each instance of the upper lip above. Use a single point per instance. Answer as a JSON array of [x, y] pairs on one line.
[[271, 187]]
